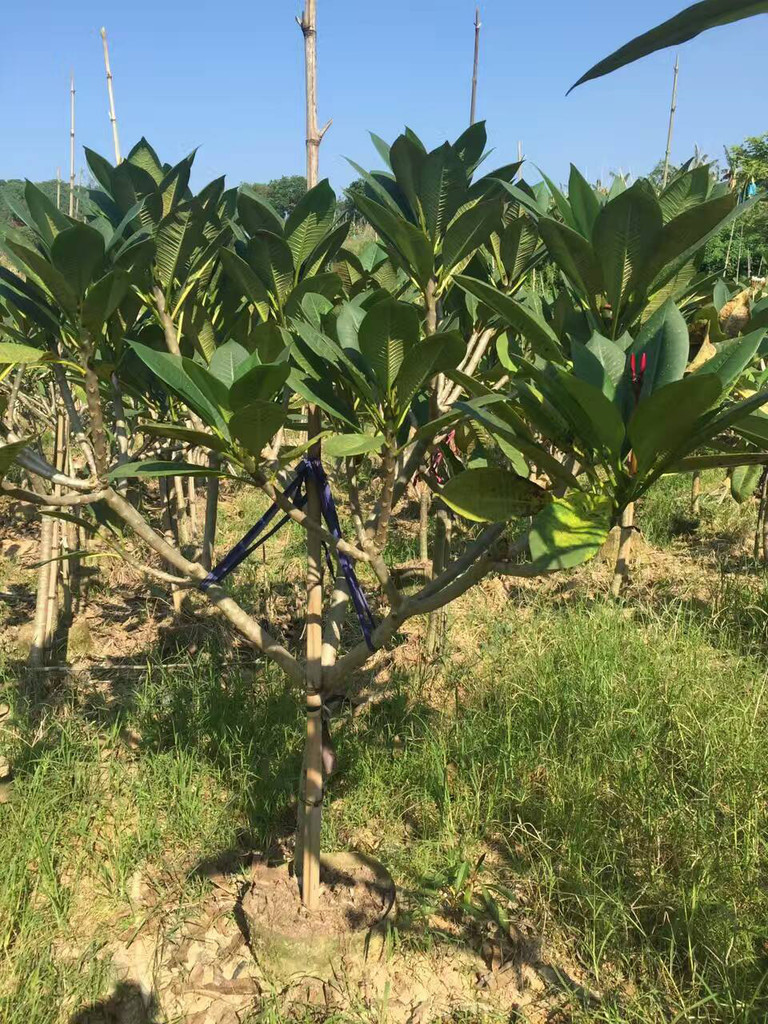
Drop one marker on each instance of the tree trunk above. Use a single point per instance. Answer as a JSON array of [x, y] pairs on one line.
[[625, 549]]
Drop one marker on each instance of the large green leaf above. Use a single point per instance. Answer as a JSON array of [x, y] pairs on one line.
[[271, 258], [534, 329], [226, 360], [663, 340], [256, 213], [435, 354], [493, 495], [469, 231], [570, 531], [663, 422], [261, 382], [681, 237], [77, 254], [600, 362], [625, 235], [196, 438], [51, 280], [605, 419], [309, 221], [156, 467], [685, 191], [584, 202], [11, 353], [254, 425], [442, 188], [172, 370], [684, 26], [732, 357], [102, 299], [247, 280], [574, 255], [338, 446], [48, 219], [388, 330], [412, 245]]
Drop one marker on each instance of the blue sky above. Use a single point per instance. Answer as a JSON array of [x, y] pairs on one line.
[[228, 78]]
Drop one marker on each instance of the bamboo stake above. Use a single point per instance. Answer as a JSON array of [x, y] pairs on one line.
[[310, 820], [473, 103], [111, 94], [72, 145], [625, 547], [672, 110]]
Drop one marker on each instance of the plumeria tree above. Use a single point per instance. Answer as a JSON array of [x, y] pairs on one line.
[[304, 372]]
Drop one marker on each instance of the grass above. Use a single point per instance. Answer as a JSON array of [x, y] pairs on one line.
[[611, 763]]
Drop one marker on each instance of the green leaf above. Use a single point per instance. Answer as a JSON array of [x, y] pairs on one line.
[[226, 360], [247, 280], [685, 191], [668, 417], [196, 438], [436, 354], [338, 446], [684, 26], [534, 329], [732, 357], [172, 370], [600, 363], [493, 495], [470, 145], [442, 187], [10, 353], [574, 255], [410, 242], [570, 531], [309, 221], [664, 341], [323, 394], [156, 467], [77, 253], [382, 148], [254, 425], [102, 299], [388, 330], [256, 213], [48, 219], [584, 203], [469, 231], [260, 382], [271, 258], [681, 237], [625, 235], [605, 419], [49, 277]]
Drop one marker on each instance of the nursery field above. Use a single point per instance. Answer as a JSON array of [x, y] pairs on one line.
[[572, 801]]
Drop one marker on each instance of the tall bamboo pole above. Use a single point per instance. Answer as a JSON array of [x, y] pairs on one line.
[[72, 145], [670, 130], [111, 94], [473, 104], [312, 789]]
